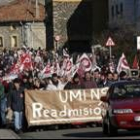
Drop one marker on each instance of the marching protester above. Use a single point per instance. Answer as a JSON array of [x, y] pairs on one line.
[[109, 80], [25, 82], [37, 85], [31, 83], [16, 103], [88, 82], [96, 76], [3, 106], [123, 75], [42, 70], [115, 77], [55, 84], [75, 83]]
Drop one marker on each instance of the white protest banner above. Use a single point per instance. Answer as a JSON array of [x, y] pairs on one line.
[[63, 107]]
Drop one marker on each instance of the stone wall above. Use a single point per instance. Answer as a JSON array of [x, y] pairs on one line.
[[35, 34], [76, 22], [72, 20], [39, 35], [32, 34], [7, 31]]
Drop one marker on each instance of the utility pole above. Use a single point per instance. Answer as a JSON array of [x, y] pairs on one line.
[[37, 9]]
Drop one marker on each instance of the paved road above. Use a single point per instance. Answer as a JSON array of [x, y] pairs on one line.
[[81, 133]]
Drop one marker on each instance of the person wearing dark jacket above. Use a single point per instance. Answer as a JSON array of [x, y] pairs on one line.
[[25, 83], [3, 107], [123, 76], [16, 103], [109, 80], [75, 83]]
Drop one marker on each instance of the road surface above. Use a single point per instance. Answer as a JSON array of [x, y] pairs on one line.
[[78, 133]]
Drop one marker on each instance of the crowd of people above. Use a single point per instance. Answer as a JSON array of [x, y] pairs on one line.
[[12, 91]]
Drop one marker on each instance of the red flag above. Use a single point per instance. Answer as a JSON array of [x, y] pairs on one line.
[[26, 62], [135, 63], [15, 69]]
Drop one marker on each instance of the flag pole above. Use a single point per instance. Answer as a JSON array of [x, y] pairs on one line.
[[110, 53]]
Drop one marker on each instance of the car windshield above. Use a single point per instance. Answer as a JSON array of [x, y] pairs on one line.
[[126, 91]]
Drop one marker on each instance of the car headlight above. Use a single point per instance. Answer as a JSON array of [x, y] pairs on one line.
[[122, 111]]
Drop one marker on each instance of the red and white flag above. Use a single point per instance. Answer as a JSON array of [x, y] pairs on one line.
[[135, 63], [69, 65], [66, 68], [26, 62], [55, 68], [75, 69], [85, 63], [15, 69], [123, 64], [65, 53], [47, 69]]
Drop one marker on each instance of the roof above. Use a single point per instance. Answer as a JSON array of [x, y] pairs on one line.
[[3, 2], [21, 10]]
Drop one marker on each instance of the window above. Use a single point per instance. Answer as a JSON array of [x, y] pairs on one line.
[[112, 11], [1, 41], [117, 10], [14, 41], [121, 8]]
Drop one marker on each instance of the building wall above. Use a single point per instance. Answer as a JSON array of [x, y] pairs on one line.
[[100, 15], [75, 21], [35, 35], [7, 31], [137, 17], [126, 16], [39, 35], [32, 35], [62, 12]]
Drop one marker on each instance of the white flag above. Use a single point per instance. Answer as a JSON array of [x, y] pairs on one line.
[[123, 64], [85, 62]]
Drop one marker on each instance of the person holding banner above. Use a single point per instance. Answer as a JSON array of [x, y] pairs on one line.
[[76, 83], [88, 82], [55, 84], [25, 82], [31, 83], [16, 103], [109, 80]]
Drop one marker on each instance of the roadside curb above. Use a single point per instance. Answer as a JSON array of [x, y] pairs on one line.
[[14, 134], [8, 134]]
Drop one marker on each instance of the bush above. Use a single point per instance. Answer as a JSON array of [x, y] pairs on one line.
[[125, 40]]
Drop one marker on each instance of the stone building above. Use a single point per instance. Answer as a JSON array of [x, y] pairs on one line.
[[20, 25], [124, 13], [74, 22]]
